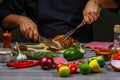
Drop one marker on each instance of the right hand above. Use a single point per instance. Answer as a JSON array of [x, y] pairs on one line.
[[91, 12], [29, 28]]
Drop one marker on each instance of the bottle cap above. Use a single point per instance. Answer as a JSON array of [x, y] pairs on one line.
[[117, 28]]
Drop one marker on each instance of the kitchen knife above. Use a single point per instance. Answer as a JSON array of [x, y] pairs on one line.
[[45, 41]]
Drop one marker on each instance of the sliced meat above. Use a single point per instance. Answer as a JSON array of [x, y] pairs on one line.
[[61, 44]]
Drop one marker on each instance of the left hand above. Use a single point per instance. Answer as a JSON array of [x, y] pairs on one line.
[[91, 12]]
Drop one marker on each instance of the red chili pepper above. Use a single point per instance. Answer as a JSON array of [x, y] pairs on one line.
[[19, 63], [116, 56], [23, 64]]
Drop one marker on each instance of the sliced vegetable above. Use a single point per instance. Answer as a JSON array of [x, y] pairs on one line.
[[58, 60], [115, 64], [95, 67], [100, 59]]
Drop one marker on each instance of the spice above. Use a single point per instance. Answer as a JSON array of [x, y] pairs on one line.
[[7, 39]]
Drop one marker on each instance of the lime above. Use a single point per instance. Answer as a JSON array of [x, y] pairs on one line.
[[85, 68], [94, 66]]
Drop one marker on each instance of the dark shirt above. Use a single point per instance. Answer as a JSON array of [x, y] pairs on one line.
[[53, 17], [118, 8], [118, 2]]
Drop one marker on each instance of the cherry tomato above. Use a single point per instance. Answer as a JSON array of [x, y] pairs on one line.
[[74, 41], [73, 70], [50, 39], [73, 67], [59, 65], [116, 56], [73, 64]]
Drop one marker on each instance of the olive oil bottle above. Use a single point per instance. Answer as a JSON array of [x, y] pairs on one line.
[[116, 41]]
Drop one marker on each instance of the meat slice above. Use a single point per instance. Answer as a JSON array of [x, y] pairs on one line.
[[61, 44]]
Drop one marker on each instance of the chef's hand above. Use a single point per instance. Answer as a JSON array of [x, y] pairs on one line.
[[29, 28], [91, 12]]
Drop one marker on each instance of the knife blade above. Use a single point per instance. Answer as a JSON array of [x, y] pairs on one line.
[[45, 41]]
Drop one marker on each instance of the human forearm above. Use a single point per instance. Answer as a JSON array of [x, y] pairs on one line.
[[27, 26], [106, 3], [12, 21]]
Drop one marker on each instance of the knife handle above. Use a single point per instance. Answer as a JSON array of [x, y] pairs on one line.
[[34, 40]]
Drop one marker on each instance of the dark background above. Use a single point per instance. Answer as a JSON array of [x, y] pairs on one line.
[[103, 28]]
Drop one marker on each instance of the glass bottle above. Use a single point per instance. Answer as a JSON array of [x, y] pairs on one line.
[[116, 41]]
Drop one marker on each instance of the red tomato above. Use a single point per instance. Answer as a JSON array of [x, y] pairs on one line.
[[50, 39], [73, 67], [74, 41], [73, 70], [59, 65], [116, 56], [73, 64]]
